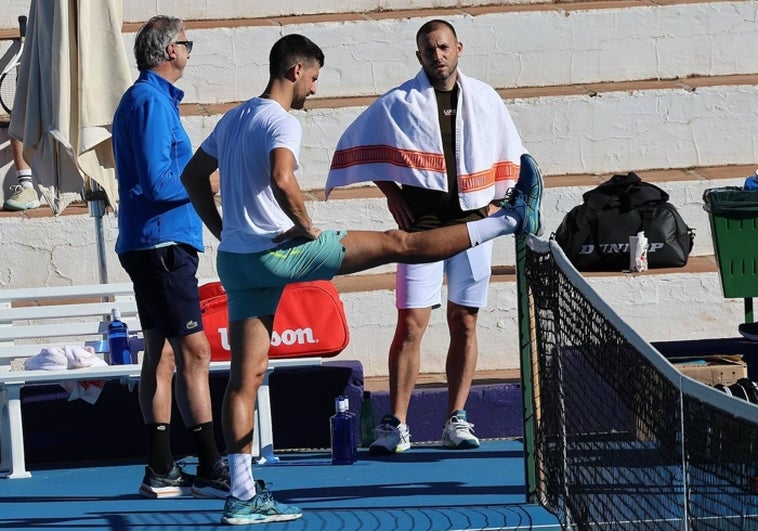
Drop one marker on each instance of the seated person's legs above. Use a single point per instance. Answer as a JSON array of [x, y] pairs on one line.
[[23, 195]]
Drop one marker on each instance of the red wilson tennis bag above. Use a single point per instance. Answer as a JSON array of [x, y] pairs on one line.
[[309, 322]]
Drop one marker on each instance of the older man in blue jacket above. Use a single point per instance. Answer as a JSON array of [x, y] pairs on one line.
[[159, 239]]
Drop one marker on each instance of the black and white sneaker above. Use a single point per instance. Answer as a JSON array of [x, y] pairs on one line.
[[171, 485], [213, 485]]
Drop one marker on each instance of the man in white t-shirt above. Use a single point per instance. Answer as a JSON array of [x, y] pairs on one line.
[[268, 240]]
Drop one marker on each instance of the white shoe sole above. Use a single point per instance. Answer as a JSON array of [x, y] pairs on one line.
[[463, 445], [164, 492], [382, 450], [266, 519]]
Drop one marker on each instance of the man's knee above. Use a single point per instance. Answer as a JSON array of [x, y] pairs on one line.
[[411, 326], [248, 381], [462, 316], [195, 351]]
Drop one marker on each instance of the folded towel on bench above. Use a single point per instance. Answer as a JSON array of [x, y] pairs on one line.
[[67, 357]]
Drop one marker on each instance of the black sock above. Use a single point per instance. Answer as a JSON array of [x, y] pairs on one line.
[[207, 451], [160, 458]]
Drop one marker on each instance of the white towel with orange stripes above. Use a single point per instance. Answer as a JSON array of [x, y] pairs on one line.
[[398, 138]]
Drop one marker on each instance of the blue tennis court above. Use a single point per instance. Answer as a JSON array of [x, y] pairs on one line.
[[426, 488]]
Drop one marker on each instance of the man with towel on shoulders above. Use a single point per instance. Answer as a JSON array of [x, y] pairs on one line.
[[442, 147]]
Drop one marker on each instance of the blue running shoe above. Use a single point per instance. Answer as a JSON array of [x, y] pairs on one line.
[[260, 509], [526, 197]]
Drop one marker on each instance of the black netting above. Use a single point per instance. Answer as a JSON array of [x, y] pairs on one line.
[[610, 448]]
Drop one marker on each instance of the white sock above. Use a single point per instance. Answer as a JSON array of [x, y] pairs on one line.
[[501, 222], [242, 484], [24, 178]]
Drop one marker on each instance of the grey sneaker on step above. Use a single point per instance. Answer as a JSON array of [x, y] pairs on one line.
[[21, 199]]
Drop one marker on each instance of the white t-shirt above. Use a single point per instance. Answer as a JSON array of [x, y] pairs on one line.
[[241, 142]]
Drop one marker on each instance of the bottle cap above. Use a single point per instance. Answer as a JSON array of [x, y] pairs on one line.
[[115, 314], [341, 404]]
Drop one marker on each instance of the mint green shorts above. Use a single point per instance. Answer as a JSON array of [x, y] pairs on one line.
[[254, 281]]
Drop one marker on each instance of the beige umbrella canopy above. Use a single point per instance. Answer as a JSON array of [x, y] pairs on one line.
[[73, 72]]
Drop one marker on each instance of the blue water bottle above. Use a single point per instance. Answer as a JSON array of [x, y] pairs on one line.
[[118, 339], [343, 432]]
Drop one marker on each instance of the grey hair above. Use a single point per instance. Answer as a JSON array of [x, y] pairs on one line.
[[153, 38]]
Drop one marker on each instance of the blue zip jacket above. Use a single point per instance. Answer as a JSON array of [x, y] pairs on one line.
[[151, 149]]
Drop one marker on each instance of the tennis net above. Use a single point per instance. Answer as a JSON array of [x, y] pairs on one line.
[[615, 437]]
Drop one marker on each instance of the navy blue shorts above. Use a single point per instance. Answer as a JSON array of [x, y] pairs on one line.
[[165, 287]]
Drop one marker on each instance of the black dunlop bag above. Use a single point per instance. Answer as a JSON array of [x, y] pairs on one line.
[[595, 234]]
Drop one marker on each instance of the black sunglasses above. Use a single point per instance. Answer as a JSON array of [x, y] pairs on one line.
[[186, 44]]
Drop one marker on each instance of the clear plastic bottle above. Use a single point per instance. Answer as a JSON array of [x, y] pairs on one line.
[[367, 420], [118, 340], [342, 428]]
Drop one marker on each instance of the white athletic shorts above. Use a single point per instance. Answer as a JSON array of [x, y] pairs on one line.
[[468, 278]]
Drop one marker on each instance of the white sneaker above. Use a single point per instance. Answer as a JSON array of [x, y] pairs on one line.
[[458, 432], [391, 437], [21, 199]]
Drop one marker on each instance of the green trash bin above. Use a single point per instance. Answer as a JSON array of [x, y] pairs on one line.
[[733, 215]]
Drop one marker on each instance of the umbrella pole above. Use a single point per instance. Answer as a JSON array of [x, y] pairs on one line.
[[97, 202]]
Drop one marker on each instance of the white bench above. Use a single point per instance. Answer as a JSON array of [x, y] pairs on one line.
[[31, 319]]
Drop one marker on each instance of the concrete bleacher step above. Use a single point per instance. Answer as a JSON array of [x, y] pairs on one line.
[[608, 101], [658, 303], [580, 108], [575, 130], [507, 45], [588, 109]]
